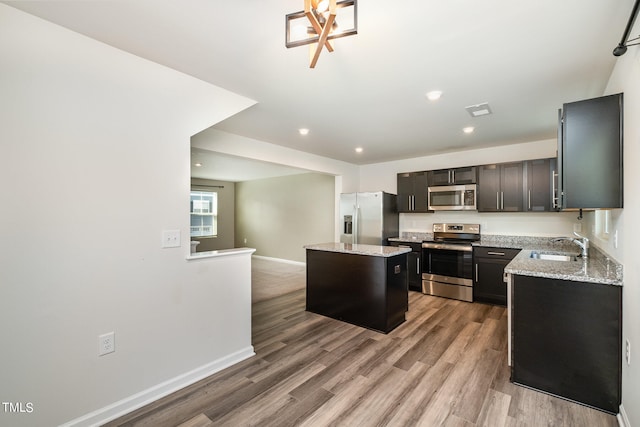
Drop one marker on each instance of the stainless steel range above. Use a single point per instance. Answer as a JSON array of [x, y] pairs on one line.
[[447, 261]]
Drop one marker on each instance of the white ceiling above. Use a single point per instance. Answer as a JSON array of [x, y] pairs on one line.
[[223, 167], [523, 57]]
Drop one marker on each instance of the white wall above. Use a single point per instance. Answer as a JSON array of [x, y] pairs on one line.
[[625, 79], [94, 164]]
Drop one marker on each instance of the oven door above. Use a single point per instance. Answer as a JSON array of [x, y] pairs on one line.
[[447, 271]]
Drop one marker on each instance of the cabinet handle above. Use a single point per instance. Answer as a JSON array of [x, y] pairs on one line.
[[554, 190], [453, 176], [529, 199], [502, 200], [418, 266], [495, 253], [497, 200], [476, 271]]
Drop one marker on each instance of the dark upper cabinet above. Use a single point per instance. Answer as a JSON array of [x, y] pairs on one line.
[[466, 175], [500, 187], [590, 153], [412, 192], [540, 185]]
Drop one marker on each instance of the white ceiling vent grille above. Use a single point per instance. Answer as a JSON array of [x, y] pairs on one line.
[[479, 109]]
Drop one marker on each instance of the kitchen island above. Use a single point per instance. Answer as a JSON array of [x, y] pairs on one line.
[[365, 285]]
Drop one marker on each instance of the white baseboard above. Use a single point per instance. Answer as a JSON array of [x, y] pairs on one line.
[[284, 261], [623, 420], [138, 400]]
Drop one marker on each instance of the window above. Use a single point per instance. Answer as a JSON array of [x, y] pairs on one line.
[[204, 214]]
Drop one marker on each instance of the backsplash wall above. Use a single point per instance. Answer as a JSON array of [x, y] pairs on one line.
[[543, 224]]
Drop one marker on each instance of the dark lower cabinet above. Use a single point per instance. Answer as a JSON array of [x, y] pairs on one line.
[[567, 339], [488, 275], [368, 291], [414, 264]]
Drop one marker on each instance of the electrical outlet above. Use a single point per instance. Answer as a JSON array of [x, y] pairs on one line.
[[171, 239], [106, 343], [577, 227], [245, 240], [615, 239], [627, 353]]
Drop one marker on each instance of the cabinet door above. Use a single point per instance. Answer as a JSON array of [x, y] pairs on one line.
[[511, 180], [414, 271], [405, 192], [539, 185], [440, 177], [488, 188], [590, 153], [420, 192], [489, 285], [468, 175], [567, 339]]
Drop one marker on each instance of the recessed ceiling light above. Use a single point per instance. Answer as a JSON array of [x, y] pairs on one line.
[[359, 150], [197, 165], [434, 95], [468, 129], [478, 109], [303, 131]]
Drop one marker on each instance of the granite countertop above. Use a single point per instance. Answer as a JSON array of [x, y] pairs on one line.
[[358, 249], [597, 268]]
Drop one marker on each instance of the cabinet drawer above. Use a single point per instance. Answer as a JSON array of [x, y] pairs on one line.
[[490, 252]]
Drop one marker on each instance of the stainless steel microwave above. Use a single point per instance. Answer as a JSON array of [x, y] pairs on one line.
[[452, 198]]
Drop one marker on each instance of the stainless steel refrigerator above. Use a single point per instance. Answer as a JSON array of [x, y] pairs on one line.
[[368, 218]]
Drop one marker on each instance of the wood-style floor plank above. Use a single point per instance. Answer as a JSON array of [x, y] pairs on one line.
[[445, 366]]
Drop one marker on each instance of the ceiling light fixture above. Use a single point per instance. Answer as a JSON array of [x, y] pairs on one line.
[[329, 19], [434, 95], [468, 129], [479, 109], [359, 150], [197, 165], [303, 131]]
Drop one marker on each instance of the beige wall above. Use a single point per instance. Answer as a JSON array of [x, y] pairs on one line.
[[226, 214], [278, 216]]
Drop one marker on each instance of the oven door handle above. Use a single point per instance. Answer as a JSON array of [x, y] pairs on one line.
[[448, 246]]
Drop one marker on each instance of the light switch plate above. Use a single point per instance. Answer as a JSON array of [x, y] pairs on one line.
[[171, 239]]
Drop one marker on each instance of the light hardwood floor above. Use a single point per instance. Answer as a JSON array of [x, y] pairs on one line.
[[445, 366]]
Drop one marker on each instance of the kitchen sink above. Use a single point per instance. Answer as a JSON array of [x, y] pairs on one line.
[[552, 257]]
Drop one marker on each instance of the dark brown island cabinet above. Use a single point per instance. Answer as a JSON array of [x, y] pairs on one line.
[[567, 339], [414, 263], [364, 290]]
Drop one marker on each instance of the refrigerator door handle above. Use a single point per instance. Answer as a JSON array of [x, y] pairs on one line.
[[354, 238]]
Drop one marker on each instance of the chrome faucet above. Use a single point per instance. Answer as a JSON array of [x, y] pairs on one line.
[[581, 241]]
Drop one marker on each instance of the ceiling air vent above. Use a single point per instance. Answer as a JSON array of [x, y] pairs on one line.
[[478, 109]]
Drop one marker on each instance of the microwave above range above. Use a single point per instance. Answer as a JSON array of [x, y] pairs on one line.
[[452, 197]]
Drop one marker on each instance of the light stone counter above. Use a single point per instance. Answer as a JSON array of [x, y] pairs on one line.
[[358, 249]]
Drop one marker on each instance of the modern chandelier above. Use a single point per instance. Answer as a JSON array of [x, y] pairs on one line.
[[319, 23]]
